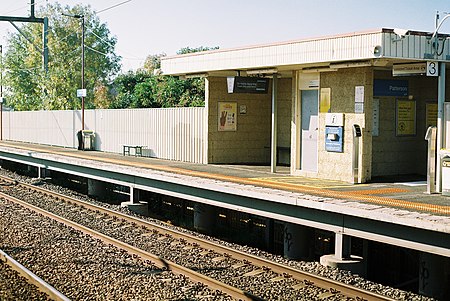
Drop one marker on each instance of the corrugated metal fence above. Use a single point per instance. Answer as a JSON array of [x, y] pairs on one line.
[[174, 133]]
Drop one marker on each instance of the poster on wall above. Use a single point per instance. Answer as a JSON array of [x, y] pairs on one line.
[[376, 117], [406, 118], [431, 114], [325, 100], [227, 118], [359, 99]]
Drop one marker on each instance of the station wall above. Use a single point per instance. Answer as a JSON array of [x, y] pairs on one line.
[[249, 143], [385, 153], [338, 166], [403, 155]]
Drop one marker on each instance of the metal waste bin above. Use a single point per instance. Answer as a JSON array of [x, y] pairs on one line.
[[88, 140], [446, 175]]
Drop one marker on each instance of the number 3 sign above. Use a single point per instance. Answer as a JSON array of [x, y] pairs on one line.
[[432, 69]]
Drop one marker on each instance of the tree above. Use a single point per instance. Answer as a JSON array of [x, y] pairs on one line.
[[188, 49], [146, 88], [153, 63], [30, 88]]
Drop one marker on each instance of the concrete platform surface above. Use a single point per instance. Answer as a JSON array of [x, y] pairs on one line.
[[407, 193]]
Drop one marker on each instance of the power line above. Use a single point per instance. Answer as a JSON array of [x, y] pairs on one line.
[[108, 8], [95, 50], [112, 45], [22, 7]]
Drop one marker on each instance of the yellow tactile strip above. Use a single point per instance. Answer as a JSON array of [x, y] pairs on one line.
[[361, 196], [264, 183], [378, 191]]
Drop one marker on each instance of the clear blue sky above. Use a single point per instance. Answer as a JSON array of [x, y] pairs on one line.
[[146, 27]]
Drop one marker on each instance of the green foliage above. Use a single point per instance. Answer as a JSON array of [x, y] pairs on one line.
[[186, 50], [147, 89], [30, 88]]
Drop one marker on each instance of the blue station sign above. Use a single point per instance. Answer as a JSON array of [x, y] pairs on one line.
[[382, 87]]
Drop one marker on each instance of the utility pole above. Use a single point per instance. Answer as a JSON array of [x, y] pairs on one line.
[[82, 65], [82, 73], [33, 19]]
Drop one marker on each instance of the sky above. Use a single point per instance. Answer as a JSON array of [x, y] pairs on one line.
[[148, 27]]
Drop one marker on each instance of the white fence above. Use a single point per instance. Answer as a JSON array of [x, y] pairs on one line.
[[174, 133]]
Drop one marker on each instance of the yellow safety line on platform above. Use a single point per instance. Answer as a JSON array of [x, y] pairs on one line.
[[269, 184], [307, 182], [379, 191]]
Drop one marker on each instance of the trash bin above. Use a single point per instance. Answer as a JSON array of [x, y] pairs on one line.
[[88, 140], [80, 140], [446, 175]]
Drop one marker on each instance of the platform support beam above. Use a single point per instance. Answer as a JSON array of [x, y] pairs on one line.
[[342, 257], [269, 236], [297, 241], [135, 204], [204, 218], [434, 276], [342, 246], [96, 188]]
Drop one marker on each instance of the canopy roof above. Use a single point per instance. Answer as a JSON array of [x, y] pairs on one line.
[[381, 47]]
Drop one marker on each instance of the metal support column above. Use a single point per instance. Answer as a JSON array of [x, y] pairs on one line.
[[131, 194], [273, 146], [342, 246], [440, 125]]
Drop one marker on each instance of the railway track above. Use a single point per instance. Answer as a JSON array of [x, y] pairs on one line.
[[31, 281], [240, 275]]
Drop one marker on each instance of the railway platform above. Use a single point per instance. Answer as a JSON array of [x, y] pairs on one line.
[[405, 193], [390, 211]]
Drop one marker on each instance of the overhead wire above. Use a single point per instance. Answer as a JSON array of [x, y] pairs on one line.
[[22, 7], [109, 43], [113, 6]]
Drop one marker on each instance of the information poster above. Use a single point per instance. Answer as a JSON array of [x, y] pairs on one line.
[[325, 100], [376, 117], [227, 118], [359, 99], [406, 118], [431, 114]]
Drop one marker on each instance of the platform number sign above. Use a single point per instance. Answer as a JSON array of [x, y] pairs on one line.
[[432, 69]]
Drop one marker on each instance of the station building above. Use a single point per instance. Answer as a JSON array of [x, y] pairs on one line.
[[348, 107]]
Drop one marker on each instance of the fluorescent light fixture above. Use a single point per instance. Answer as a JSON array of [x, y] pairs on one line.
[[317, 70], [351, 64], [262, 71], [193, 75]]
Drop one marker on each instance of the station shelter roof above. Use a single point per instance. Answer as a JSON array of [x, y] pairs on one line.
[[379, 48]]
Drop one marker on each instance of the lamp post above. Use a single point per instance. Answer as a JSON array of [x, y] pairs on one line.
[[82, 65]]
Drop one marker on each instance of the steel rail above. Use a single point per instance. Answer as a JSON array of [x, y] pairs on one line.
[[323, 282], [156, 260], [32, 278]]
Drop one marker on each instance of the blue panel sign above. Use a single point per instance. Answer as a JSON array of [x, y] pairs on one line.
[[382, 87], [334, 139]]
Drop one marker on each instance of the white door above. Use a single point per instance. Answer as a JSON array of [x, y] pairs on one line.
[[310, 127]]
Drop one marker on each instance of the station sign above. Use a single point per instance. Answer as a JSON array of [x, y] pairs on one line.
[[240, 84], [409, 69], [432, 69], [429, 68], [81, 93], [383, 87]]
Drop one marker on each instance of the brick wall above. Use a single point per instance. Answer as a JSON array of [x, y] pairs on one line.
[[251, 141]]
